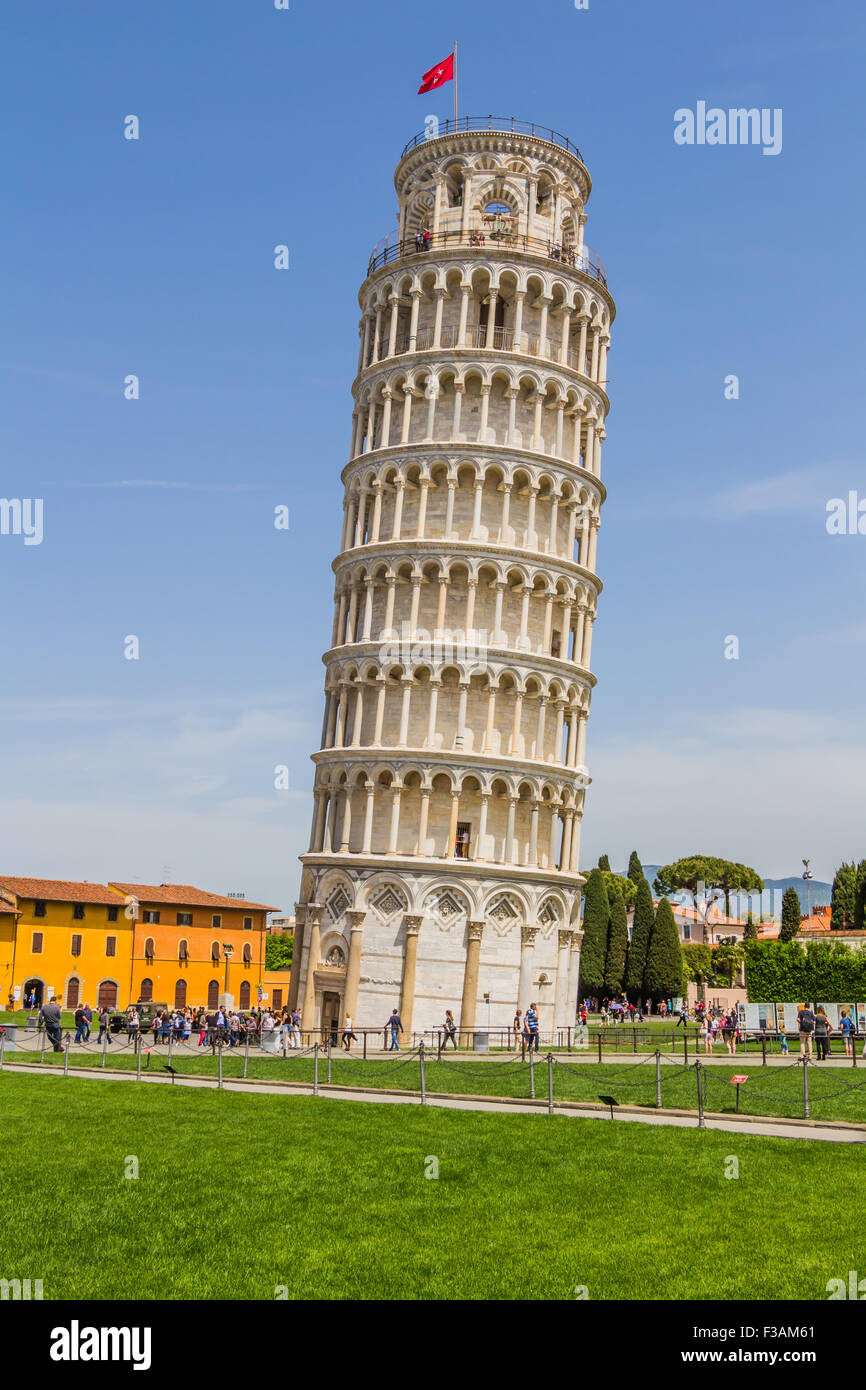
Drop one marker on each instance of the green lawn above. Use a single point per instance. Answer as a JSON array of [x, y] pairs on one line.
[[834, 1093], [239, 1194]]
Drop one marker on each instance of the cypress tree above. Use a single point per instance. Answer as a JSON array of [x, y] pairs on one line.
[[604, 863], [596, 922], [635, 868], [617, 946], [641, 931], [842, 897], [664, 963], [750, 931], [790, 914], [860, 897]]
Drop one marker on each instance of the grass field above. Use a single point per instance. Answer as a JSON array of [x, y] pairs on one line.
[[834, 1094], [239, 1194]]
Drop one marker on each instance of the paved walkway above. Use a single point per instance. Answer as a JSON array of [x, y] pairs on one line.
[[822, 1131]]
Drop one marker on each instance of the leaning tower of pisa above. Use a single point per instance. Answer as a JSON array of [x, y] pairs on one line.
[[443, 868]]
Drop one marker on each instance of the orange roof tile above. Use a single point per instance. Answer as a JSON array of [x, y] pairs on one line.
[[184, 894], [59, 890]]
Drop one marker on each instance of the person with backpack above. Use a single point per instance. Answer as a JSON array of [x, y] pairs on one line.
[[846, 1028], [51, 1017], [823, 1029], [79, 1024], [806, 1026], [450, 1030], [531, 1021], [104, 1030]]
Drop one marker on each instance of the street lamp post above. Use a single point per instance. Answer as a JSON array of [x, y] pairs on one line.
[[228, 952], [808, 877]]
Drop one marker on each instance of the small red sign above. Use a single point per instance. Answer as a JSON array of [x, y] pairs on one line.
[[738, 1080]]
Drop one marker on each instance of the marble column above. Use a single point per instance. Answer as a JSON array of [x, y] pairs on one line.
[[356, 918], [410, 961], [314, 930], [475, 929], [527, 967]]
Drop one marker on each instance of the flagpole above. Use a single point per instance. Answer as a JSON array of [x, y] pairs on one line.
[[455, 84]]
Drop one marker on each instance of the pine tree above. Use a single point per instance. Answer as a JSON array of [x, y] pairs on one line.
[[635, 868], [750, 931], [617, 946], [791, 914], [604, 863], [596, 923], [641, 931], [664, 963]]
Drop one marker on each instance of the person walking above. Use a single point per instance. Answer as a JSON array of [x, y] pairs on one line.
[[846, 1028], [396, 1027], [823, 1029], [80, 1025], [133, 1023], [104, 1030], [450, 1030], [806, 1026], [348, 1036], [296, 1026], [50, 1016], [518, 1028], [88, 1022], [532, 1026]]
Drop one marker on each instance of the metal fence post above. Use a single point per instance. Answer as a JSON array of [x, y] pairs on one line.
[[42, 1048], [763, 1049], [805, 1087], [220, 1084], [104, 1046], [315, 1068], [246, 1053], [2, 1048], [365, 1044], [658, 1079], [423, 1077], [531, 1076], [137, 1057], [66, 1057], [685, 1047], [550, 1083], [701, 1121], [599, 1045], [329, 1059], [170, 1041]]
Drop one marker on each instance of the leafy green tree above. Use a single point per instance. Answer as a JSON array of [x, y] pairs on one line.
[[641, 930], [698, 961], [635, 868], [615, 883], [617, 946], [604, 863], [596, 924], [727, 959], [721, 874], [791, 914], [664, 964], [278, 951]]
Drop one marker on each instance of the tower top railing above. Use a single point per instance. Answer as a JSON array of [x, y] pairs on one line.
[[503, 124], [394, 248]]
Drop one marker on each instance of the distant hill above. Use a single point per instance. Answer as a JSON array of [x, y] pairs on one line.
[[820, 891]]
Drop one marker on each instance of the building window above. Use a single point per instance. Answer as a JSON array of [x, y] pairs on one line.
[[248, 924], [461, 843], [244, 994], [215, 952], [111, 945], [39, 908], [76, 944], [148, 949], [37, 943], [213, 994], [248, 953], [184, 919], [112, 914], [180, 994], [183, 950], [151, 916], [216, 921], [78, 912], [278, 998], [687, 932]]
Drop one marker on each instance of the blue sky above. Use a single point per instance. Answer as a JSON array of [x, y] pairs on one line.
[[155, 257]]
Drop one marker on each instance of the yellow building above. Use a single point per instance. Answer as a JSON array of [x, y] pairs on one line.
[[118, 943]]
